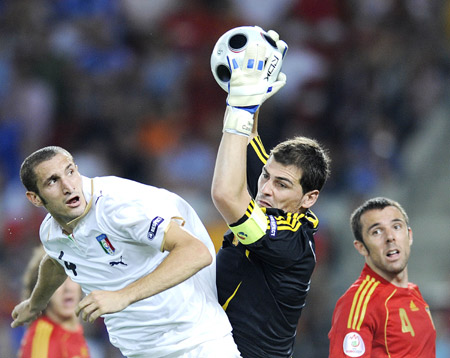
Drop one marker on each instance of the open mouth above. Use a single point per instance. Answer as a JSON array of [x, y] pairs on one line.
[[73, 202], [393, 253], [68, 301]]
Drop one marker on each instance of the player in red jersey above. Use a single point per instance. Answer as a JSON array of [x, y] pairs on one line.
[[382, 314], [57, 333]]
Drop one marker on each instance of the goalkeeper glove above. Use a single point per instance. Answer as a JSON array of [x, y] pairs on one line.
[[281, 45], [249, 86], [238, 121]]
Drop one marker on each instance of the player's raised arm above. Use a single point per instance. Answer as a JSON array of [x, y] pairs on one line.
[[248, 89], [51, 276]]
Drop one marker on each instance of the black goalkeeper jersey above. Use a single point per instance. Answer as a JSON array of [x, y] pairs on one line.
[[263, 286]]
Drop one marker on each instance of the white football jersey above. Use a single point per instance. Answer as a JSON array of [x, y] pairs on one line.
[[120, 240]]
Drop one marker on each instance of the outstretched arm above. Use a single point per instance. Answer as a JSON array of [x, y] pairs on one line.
[[187, 256], [229, 185], [248, 89], [51, 276]]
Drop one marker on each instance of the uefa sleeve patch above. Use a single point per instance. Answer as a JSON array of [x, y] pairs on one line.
[[353, 345], [273, 226], [154, 227]]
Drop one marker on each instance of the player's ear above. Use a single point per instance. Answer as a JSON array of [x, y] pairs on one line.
[[34, 198], [309, 199], [360, 247]]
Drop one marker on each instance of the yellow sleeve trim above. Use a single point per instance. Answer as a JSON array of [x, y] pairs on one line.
[[360, 302], [252, 229], [41, 340], [259, 149], [312, 218]]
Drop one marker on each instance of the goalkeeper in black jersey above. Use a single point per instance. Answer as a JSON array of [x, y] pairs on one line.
[[268, 255]]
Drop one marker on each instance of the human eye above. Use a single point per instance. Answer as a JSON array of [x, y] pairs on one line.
[[70, 170], [398, 226], [281, 184], [51, 181], [375, 232]]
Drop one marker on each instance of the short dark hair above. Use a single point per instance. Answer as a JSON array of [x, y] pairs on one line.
[[378, 203], [27, 172], [307, 155]]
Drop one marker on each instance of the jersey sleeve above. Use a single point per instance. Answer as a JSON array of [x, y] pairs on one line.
[[256, 159], [276, 237], [36, 341], [354, 323], [144, 219]]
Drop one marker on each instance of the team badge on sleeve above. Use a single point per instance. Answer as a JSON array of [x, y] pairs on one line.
[[273, 226], [106, 244], [154, 227], [353, 345]]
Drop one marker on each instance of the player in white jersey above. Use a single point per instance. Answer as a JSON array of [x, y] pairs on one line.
[[141, 254]]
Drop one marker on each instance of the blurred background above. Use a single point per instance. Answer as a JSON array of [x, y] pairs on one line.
[[126, 86]]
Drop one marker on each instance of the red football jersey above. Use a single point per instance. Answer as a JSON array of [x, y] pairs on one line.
[[377, 319], [46, 339]]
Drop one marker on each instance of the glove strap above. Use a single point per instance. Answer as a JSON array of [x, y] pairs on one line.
[[238, 121]]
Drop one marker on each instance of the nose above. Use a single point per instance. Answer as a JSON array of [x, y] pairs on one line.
[[66, 285], [266, 188], [390, 235], [69, 286], [67, 186]]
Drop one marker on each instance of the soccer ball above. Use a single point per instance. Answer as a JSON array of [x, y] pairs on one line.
[[233, 44]]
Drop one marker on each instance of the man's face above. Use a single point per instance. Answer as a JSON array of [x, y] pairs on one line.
[[64, 301], [279, 187], [388, 241], [60, 188]]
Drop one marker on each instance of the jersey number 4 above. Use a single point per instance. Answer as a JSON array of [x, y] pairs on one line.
[[406, 324], [69, 265]]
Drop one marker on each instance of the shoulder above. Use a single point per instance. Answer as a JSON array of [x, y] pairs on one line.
[[364, 296], [126, 189], [256, 146], [121, 203], [114, 193], [46, 226], [43, 327], [412, 287], [311, 219], [292, 222], [113, 183]]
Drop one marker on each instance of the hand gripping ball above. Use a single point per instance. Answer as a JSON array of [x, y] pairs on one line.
[[233, 44]]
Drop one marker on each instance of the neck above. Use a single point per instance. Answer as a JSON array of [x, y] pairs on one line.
[[399, 279], [67, 227]]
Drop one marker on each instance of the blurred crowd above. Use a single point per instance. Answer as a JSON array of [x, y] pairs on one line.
[[126, 86]]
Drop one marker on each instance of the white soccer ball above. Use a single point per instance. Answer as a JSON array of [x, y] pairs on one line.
[[233, 44]]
